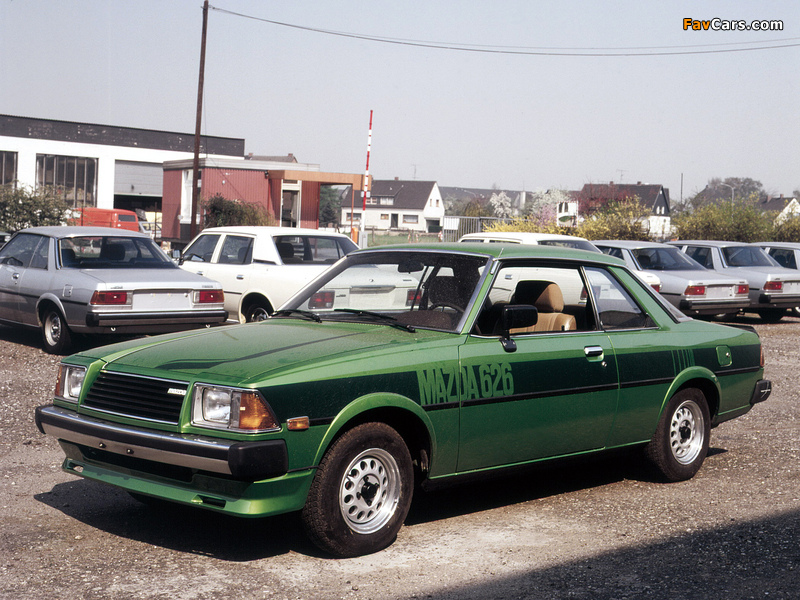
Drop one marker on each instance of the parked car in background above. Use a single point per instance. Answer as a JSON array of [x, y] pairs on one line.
[[262, 267], [688, 285], [550, 239], [4, 237], [787, 255], [95, 280], [116, 218], [773, 289], [340, 404]]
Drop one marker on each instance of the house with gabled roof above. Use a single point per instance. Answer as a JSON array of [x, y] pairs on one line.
[[655, 197], [395, 204], [785, 207]]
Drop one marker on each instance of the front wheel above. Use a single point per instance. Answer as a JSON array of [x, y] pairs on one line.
[[361, 492], [56, 338], [680, 443]]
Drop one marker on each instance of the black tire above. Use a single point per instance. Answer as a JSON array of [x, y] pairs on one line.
[[771, 315], [56, 336], [680, 443], [361, 492], [257, 311]]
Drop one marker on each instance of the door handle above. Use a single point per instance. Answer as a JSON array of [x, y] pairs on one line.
[[240, 277], [15, 276], [593, 351], [200, 272]]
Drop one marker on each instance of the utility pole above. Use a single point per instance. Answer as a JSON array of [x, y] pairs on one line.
[[196, 163]]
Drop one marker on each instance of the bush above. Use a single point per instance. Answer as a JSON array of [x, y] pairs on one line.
[[221, 212], [23, 207], [730, 222], [787, 230]]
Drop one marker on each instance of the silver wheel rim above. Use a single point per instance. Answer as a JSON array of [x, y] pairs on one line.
[[686, 432], [259, 314], [370, 491], [52, 329]]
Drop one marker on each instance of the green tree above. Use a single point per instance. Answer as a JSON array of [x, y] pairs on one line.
[[221, 212], [330, 205], [22, 207], [788, 230], [737, 222], [619, 220]]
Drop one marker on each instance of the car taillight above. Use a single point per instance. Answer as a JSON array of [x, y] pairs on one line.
[[656, 287], [743, 289], [413, 297], [322, 300], [108, 297], [209, 297], [773, 286], [695, 290]]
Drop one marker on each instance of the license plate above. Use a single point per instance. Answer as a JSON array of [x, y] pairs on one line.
[[161, 300]]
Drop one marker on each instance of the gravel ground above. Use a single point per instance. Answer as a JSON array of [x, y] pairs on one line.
[[598, 530]]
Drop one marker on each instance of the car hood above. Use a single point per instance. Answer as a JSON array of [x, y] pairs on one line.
[[248, 354], [155, 278]]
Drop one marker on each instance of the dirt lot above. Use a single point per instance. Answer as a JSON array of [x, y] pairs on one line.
[[601, 530]]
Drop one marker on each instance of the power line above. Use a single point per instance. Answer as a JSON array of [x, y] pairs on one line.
[[533, 50]]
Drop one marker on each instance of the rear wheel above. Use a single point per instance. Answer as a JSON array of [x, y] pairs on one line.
[[361, 492], [680, 443], [258, 310], [56, 337]]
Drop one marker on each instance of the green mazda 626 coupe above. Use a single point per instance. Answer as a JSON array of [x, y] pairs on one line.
[[402, 365]]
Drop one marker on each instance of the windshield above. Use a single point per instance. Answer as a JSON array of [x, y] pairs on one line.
[[107, 252], [747, 256], [430, 290], [665, 259]]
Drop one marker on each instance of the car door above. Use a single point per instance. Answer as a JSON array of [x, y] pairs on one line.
[[15, 257], [232, 267], [554, 394], [35, 281]]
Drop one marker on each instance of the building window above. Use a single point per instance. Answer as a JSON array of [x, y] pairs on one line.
[[353, 216], [384, 216], [8, 167], [386, 201], [73, 177], [411, 219]]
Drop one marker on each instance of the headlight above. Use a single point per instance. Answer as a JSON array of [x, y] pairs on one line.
[[231, 408], [69, 382]]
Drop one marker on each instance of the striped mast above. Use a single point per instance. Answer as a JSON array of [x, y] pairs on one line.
[[366, 187]]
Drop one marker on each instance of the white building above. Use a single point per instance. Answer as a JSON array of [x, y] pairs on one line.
[[98, 165], [398, 205]]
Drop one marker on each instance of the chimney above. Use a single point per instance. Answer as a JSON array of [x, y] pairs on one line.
[[638, 183], [397, 179]]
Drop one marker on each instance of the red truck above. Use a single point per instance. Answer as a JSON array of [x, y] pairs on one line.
[[106, 217]]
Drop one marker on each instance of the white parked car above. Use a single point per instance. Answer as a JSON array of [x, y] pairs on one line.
[[550, 239], [262, 267]]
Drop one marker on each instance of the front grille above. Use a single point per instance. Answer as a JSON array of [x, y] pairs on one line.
[[139, 397]]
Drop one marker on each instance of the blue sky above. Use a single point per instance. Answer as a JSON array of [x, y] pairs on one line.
[[467, 119]]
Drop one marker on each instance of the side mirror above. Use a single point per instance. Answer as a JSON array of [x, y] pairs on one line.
[[516, 316], [176, 256]]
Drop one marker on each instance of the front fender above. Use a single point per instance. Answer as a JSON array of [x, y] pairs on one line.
[[374, 401]]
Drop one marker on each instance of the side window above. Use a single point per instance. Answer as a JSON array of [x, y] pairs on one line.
[[701, 255], [237, 250], [615, 252], [39, 260], [784, 257], [615, 307], [323, 250], [202, 249], [19, 251], [558, 293]]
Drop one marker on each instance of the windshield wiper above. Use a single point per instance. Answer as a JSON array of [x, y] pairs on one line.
[[391, 321], [294, 311]]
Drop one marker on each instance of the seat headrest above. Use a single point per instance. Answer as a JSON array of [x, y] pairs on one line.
[[546, 296]]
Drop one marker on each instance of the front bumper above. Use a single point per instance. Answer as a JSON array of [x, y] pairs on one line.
[[246, 461]]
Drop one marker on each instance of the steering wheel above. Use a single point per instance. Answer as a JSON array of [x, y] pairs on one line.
[[458, 309]]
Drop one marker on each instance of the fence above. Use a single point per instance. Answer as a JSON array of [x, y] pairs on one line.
[[454, 227]]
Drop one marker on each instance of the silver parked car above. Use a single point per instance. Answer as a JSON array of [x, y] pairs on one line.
[[260, 268], [686, 284], [787, 255], [98, 280], [773, 288]]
